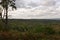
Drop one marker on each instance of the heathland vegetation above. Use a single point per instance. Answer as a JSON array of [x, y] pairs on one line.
[[20, 29]]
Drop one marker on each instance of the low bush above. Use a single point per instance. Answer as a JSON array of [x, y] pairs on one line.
[[46, 30]]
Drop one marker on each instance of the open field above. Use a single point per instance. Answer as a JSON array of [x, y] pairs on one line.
[[33, 29]]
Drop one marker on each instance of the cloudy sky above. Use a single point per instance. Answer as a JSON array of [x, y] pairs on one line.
[[36, 9]]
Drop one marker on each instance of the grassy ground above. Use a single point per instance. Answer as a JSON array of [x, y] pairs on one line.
[[31, 30]]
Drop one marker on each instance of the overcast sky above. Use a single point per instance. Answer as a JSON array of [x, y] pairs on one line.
[[36, 9]]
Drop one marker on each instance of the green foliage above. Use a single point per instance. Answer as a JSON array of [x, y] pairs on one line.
[[5, 3], [29, 30], [47, 30]]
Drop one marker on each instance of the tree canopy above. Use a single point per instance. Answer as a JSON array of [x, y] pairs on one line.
[[10, 3]]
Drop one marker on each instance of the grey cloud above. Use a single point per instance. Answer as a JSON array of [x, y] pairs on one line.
[[32, 4], [48, 3], [26, 3], [20, 3], [43, 9], [23, 3]]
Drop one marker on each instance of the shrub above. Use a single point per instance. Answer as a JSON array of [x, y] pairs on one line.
[[8, 36], [46, 30]]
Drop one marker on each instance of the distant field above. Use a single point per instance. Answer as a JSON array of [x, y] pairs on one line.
[[31, 29]]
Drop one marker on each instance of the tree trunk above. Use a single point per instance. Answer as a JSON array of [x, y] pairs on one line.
[[6, 19]]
